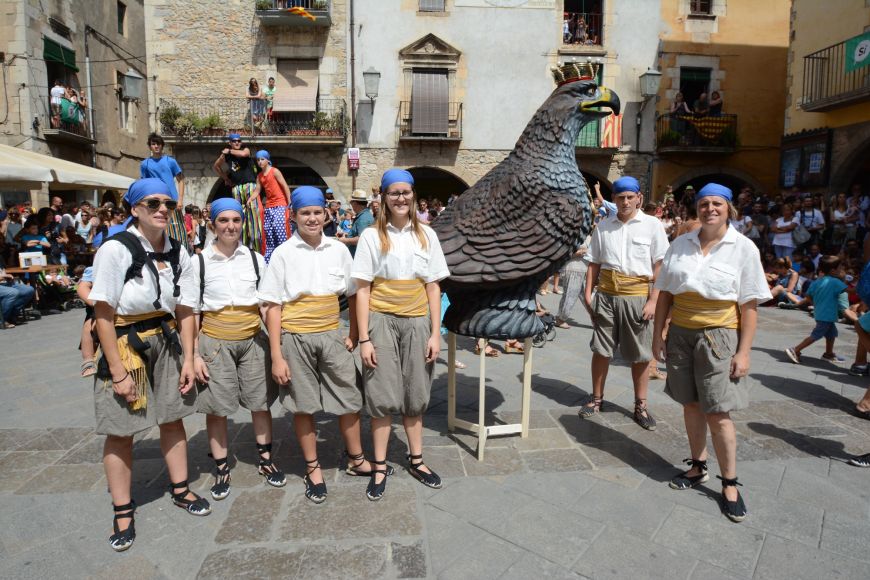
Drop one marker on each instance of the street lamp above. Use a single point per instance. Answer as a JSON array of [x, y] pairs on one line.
[[649, 83], [371, 80]]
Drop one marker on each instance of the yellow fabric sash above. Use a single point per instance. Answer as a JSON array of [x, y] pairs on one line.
[[132, 360], [693, 311], [399, 297], [232, 322], [309, 314], [618, 284]]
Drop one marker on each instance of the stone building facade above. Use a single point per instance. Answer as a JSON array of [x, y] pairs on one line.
[[44, 40]]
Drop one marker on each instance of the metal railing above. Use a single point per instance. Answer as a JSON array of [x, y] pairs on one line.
[[194, 118], [310, 5], [71, 118], [716, 133], [826, 82], [454, 123], [585, 32], [590, 135]]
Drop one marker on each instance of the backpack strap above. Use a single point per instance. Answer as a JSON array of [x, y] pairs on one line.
[[175, 263], [256, 266], [137, 251], [201, 278]]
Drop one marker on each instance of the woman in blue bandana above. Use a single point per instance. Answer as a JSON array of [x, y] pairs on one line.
[[144, 294], [710, 284]]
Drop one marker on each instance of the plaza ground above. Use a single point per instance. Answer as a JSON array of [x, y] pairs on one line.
[[575, 499]]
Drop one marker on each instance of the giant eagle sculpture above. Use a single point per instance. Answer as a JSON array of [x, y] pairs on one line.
[[525, 218]]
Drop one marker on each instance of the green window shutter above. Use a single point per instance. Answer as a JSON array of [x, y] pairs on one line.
[[54, 52]]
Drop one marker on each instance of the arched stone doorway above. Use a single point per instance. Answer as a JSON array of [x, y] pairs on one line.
[[295, 174], [592, 179], [733, 179], [854, 169], [434, 183]]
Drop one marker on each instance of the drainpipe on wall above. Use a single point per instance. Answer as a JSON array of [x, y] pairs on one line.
[[90, 106], [352, 92]]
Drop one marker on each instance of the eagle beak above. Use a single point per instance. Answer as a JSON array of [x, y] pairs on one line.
[[606, 98]]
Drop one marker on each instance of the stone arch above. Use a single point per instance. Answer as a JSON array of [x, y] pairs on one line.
[[732, 177], [606, 185], [854, 161], [434, 182]]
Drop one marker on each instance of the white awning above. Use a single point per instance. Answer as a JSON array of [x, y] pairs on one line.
[[296, 86], [20, 166]]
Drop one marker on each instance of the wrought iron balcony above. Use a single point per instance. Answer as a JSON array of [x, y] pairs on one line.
[[70, 125], [442, 125], [209, 120], [584, 33], [590, 135], [280, 12], [696, 134], [828, 85]]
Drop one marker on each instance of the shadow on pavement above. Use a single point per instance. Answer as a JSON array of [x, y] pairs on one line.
[[816, 446], [806, 392]]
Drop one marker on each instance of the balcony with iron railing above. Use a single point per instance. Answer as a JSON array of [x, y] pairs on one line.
[[70, 123], [300, 13], [582, 33], [696, 134], [209, 120], [829, 81], [440, 122]]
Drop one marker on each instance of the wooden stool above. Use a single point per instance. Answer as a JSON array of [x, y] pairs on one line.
[[480, 429]]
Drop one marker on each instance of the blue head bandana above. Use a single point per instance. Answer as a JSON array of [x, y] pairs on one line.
[[626, 183], [307, 196], [149, 186], [233, 136], [223, 204], [714, 189], [392, 176], [263, 154]]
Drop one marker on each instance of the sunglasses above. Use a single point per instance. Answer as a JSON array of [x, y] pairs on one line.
[[235, 140], [154, 204]]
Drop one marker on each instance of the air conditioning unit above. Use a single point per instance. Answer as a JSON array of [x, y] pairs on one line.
[[132, 85]]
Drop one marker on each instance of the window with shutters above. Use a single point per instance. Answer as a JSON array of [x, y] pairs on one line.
[[429, 109], [429, 102], [433, 5], [701, 7]]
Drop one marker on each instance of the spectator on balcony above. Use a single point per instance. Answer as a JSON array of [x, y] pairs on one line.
[[702, 105], [716, 103], [581, 31], [239, 176], [566, 29], [269, 94], [166, 169], [276, 221], [257, 102], [58, 94]]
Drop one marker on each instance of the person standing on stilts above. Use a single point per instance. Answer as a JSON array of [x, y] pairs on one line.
[[232, 352], [240, 176], [276, 221]]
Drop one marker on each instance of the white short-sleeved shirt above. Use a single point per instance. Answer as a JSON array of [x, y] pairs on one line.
[[632, 248], [136, 296], [730, 271], [784, 239], [228, 281], [297, 269], [57, 93], [406, 260]]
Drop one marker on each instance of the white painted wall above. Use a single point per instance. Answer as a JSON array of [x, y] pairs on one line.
[[506, 52]]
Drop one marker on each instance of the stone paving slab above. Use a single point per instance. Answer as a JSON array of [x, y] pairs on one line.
[[578, 498]]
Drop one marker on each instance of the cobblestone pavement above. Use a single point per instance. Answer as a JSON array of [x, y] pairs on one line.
[[575, 499]]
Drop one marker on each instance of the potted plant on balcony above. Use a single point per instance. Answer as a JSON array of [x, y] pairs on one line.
[[321, 123], [322, 5], [213, 125], [169, 118], [264, 5]]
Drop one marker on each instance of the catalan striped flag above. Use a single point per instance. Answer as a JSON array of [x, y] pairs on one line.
[[612, 136], [299, 11]]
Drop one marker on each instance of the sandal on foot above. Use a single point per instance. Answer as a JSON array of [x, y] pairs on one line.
[[316, 492], [221, 487], [354, 461], [429, 479], [642, 416], [89, 368], [860, 460], [267, 468], [686, 481], [734, 510], [588, 410], [375, 491], [490, 352], [120, 541], [657, 375], [196, 507], [562, 324], [516, 347]]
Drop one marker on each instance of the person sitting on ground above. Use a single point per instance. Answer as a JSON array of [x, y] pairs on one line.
[[786, 290], [823, 294]]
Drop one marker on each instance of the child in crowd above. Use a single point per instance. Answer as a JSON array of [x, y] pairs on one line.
[[824, 294], [785, 287]]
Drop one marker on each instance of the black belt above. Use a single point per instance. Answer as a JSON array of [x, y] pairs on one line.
[[131, 331]]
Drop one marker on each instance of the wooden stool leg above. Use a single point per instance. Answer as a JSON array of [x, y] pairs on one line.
[[481, 401], [528, 349], [451, 382]]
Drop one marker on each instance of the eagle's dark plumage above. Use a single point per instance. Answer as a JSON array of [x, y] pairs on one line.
[[521, 222]]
